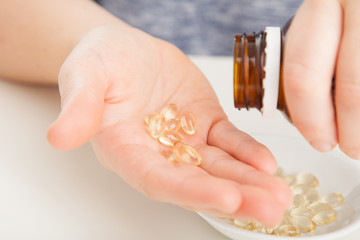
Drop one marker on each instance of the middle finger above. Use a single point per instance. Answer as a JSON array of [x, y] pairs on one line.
[[220, 164]]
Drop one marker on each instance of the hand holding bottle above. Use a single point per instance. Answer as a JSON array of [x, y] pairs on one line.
[[322, 42]]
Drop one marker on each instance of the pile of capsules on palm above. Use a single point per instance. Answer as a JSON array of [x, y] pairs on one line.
[[167, 127], [308, 211]]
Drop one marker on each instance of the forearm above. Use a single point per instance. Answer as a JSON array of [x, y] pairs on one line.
[[37, 35]]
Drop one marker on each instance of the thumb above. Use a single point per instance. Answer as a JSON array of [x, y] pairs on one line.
[[82, 105]]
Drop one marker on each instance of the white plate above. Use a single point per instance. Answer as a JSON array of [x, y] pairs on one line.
[[336, 173]]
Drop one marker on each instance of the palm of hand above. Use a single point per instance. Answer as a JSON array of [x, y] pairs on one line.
[[114, 79]]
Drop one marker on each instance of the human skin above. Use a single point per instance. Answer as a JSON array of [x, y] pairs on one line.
[[321, 43], [111, 76]]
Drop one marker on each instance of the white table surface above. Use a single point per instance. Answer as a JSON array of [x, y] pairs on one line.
[[51, 194]]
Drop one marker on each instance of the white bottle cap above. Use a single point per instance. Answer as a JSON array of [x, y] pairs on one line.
[[272, 71]]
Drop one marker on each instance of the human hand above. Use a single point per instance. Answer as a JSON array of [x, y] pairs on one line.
[[321, 43], [113, 79]]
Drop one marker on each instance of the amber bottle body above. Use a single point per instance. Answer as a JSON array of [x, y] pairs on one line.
[[249, 63]]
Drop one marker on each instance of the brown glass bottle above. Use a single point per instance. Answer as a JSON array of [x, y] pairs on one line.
[[250, 60]]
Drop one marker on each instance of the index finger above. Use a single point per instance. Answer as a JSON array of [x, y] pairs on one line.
[[348, 82]]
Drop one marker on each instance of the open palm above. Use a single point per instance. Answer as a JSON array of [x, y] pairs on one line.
[[113, 79]]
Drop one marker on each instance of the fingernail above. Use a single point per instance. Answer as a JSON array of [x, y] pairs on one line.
[[322, 146], [354, 155]]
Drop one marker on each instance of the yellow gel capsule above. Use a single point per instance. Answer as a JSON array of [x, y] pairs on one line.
[[290, 180], [301, 211], [173, 124], [257, 227], [312, 195], [169, 111], [169, 155], [243, 224], [262, 230], [307, 179], [317, 207], [188, 122], [280, 172], [324, 217], [287, 220], [148, 118], [270, 231], [287, 230], [156, 125], [304, 224], [333, 199], [169, 137], [299, 189], [186, 154], [298, 201]]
